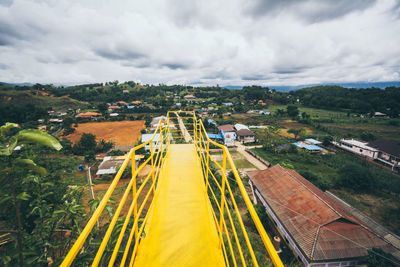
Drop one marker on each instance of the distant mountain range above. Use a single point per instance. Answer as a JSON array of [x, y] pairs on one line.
[[287, 88], [358, 85]]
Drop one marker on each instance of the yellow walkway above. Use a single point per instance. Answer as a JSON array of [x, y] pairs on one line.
[[181, 230]]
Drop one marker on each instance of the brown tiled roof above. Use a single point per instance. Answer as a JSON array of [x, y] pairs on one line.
[[244, 132], [391, 147], [88, 114], [227, 128], [321, 229]]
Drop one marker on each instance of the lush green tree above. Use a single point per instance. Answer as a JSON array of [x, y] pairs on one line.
[[87, 142], [67, 124], [327, 140], [292, 149], [280, 112], [16, 163], [102, 107], [292, 111]]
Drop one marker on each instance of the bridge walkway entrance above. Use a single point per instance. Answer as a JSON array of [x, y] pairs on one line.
[[181, 230]]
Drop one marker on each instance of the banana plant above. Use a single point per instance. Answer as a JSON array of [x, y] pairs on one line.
[[8, 146]]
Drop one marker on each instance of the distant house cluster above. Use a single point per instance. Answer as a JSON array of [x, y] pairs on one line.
[[320, 228], [231, 133], [385, 151]]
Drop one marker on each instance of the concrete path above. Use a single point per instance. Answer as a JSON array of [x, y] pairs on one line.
[[242, 150], [185, 133]]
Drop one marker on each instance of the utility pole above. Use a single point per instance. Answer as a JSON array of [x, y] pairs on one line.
[[89, 181]]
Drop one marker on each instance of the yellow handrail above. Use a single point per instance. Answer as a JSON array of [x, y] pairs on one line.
[[202, 142], [131, 188], [225, 214]]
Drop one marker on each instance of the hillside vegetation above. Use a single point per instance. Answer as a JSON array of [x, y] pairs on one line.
[[14, 97]]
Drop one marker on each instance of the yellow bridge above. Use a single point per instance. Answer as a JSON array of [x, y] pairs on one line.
[[186, 212]]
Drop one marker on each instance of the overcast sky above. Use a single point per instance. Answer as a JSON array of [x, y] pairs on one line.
[[235, 42]]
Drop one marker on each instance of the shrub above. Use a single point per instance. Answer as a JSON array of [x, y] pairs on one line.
[[356, 178]]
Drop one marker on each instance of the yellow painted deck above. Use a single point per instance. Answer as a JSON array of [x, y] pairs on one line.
[[181, 230]]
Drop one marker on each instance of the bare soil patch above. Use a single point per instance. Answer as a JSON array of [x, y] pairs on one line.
[[122, 133]]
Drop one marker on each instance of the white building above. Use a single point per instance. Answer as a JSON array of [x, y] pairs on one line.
[[357, 147], [265, 112], [239, 127], [147, 137]]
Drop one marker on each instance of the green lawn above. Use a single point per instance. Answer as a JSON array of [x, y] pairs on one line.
[[313, 112]]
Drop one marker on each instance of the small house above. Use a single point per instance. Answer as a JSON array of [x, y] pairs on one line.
[[114, 107], [264, 112], [56, 120], [388, 152], [357, 147], [122, 103], [111, 164], [88, 114], [189, 97], [228, 132], [379, 114], [245, 136], [239, 126]]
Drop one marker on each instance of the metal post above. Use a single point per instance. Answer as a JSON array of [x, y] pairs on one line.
[[152, 164], [133, 167], [89, 180], [222, 196], [208, 162]]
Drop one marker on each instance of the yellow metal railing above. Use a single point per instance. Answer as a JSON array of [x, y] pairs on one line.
[[226, 212], [139, 192], [119, 246]]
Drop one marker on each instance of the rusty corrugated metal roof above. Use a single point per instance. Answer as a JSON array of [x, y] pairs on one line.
[[322, 230]]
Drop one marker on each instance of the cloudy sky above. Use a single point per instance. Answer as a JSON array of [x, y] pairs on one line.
[[235, 42]]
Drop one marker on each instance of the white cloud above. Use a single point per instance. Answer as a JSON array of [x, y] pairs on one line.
[[209, 42]]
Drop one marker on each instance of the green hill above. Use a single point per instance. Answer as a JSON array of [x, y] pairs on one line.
[[14, 97]]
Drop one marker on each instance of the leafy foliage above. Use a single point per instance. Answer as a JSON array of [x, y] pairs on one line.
[[43, 204], [356, 178]]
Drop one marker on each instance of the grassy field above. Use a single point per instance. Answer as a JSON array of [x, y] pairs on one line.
[[326, 122], [313, 112], [357, 129]]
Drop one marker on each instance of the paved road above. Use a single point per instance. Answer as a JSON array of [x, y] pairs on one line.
[[184, 131], [242, 150]]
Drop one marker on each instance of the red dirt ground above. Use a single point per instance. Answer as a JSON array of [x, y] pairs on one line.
[[122, 133]]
